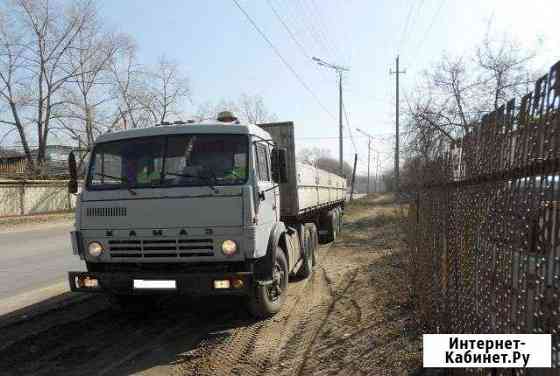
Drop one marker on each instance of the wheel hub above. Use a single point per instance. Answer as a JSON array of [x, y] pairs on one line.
[[275, 288]]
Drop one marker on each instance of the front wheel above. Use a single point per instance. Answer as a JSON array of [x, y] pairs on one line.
[[267, 299]]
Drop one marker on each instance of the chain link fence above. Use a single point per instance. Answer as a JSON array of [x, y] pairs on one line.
[[484, 231]]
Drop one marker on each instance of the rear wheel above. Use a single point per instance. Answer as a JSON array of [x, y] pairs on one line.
[[267, 299], [308, 254], [314, 240], [331, 226], [339, 214]]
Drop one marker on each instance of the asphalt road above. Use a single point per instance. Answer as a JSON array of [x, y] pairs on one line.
[[34, 258]]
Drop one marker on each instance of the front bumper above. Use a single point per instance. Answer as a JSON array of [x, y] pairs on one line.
[[201, 284]]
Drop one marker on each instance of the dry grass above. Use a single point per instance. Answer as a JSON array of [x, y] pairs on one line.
[[367, 266]]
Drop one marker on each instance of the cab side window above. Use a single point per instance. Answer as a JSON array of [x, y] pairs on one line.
[[263, 170]]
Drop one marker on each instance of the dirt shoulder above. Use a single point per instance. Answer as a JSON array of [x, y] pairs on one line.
[[369, 328], [353, 316]]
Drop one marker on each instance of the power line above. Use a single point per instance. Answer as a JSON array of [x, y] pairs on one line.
[[417, 14], [405, 26], [312, 30], [296, 41], [324, 28], [434, 17], [406, 30], [294, 16], [284, 61]]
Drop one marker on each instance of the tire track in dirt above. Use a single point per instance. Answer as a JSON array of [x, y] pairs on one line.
[[252, 348], [335, 298], [312, 312]]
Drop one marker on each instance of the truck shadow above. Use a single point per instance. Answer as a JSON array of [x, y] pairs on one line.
[[90, 338]]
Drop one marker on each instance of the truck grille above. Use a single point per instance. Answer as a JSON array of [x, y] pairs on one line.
[[106, 212], [154, 248]]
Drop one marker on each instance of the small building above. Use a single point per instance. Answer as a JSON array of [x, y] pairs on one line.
[[12, 162]]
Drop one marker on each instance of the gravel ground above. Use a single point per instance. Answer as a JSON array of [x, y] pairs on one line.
[[353, 316]]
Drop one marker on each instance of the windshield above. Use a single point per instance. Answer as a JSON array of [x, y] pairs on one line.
[[169, 161]]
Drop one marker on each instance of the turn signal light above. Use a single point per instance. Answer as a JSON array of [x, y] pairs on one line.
[[237, 283], [85, 281]]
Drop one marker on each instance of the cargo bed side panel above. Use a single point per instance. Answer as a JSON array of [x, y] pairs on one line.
[[307, 186]]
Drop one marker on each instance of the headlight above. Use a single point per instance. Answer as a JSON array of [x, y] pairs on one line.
[[229, 247], [95, 249]]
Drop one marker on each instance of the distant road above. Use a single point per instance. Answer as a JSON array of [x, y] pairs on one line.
[[356, 196], [35, 257]]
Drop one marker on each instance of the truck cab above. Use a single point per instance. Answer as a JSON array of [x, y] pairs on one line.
[[188, 209]]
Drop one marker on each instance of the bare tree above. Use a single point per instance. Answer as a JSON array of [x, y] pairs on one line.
[[129, 84], [504, 70], [253, 110], [310, 156], [35, 46], [89, 99], [321, 158], [166, 89], [248, 108], [457, 92]]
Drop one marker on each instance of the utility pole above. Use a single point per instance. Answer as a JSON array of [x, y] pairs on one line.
[[353, 176], [338, 69], [375, 188], [368, 163], [368, 156], [340, 135], [397, 72]]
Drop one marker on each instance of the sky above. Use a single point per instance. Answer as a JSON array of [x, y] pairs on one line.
[[223, 55]]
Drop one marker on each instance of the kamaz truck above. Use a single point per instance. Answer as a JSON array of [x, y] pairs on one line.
[[209, 208]]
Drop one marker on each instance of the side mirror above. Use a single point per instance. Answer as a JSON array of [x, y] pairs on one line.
[[73, 183], [279, 166]]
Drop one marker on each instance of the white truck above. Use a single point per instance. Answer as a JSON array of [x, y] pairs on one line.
[[207, 208]]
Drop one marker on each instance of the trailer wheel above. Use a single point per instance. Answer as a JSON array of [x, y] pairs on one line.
[[308, 254], [329, 227], [314, 240], [339, 214], [267, 299]]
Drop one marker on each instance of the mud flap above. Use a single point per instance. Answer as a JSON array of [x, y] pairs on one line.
[[263, 265]]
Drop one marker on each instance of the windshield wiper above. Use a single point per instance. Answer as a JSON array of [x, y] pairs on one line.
[[208, 179], [181, 175], [121, 178]]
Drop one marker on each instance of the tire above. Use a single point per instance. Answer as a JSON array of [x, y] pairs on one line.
[[331, 224], [267, 300], [308, 254], [314, 240], [339, 210]]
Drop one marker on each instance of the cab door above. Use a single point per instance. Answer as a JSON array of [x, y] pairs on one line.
[[266, 195]]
